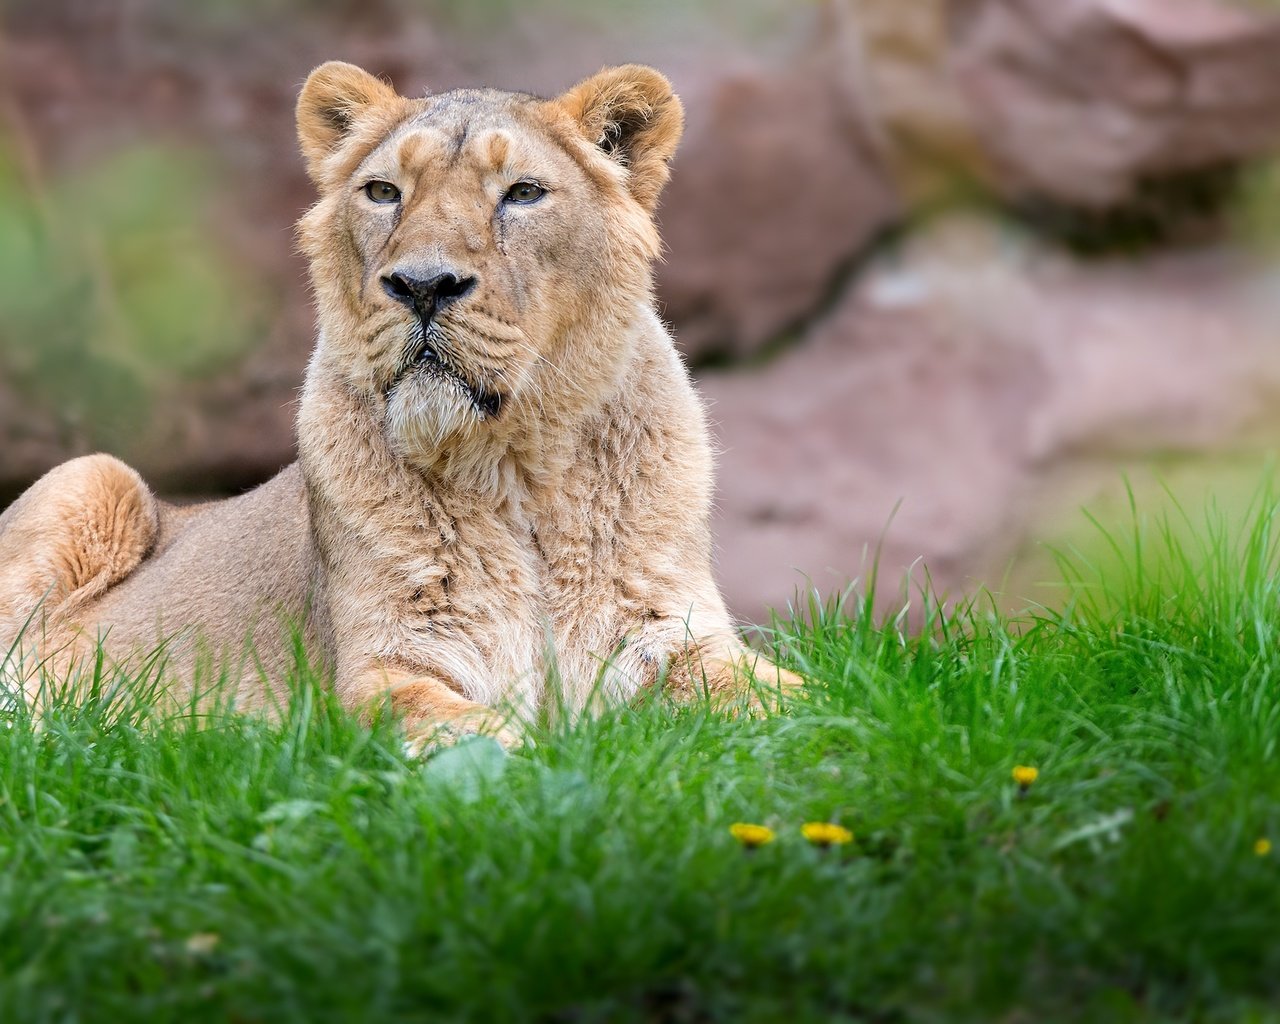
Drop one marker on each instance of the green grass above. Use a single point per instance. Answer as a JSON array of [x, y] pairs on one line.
[[232, 869]]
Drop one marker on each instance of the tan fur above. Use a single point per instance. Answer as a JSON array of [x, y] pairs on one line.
[[530, 503]]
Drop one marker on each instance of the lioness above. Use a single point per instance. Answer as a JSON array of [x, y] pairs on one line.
[[504, 471]]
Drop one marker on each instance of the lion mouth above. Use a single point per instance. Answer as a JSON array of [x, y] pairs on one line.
[[425, 356]]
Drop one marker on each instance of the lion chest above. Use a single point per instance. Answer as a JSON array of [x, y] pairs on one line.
[[601, 542], [489, 588], [491, 593], [470, 603]]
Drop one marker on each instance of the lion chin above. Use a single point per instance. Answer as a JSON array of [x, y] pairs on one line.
[[428, 407], [503, 492]]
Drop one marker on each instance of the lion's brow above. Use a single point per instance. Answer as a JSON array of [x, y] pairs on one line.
[[421, 148], [458, 141]]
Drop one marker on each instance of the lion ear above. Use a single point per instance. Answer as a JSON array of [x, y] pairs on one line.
[[633, 115], [333, 100]]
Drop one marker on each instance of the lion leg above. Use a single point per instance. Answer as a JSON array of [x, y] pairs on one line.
[[754, 667], [79, 529], [727, 672], [433, 712]]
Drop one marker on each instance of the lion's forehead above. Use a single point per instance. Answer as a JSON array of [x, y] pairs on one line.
[[489, 133]]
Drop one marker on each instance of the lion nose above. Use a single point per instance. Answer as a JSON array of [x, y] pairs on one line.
[[426, 295]]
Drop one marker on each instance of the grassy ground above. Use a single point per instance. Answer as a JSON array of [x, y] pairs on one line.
[[306, 870]]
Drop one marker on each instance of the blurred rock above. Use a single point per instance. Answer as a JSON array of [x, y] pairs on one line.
[[789, 174], [1083, 101], [775, 190], [960, 377], [891, 62]]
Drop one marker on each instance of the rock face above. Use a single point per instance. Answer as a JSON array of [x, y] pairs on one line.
[[941, 397], [949, 369], [1084, 100], [774, 192]]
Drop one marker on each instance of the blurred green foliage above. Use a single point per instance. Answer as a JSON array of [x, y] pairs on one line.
[[1255, 217], [111, 290], [478, 20], [746, 15]]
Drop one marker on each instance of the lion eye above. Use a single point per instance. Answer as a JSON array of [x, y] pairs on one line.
[[525, 192], [382, 192]]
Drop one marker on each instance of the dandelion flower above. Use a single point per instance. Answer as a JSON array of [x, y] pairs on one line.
[[824, 834], [751, 836], [1262, 847], [1025, 774]]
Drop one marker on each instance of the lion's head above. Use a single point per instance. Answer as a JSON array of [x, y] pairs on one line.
[[477, 255]]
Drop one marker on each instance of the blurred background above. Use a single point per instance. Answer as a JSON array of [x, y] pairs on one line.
[[947, 270]]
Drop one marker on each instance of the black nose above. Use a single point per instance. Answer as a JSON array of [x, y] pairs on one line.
[[426, 295]]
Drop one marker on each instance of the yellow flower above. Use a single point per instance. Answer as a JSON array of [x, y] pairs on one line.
[[1262, 847], [1024, 775], [823, 833], [751, 836]]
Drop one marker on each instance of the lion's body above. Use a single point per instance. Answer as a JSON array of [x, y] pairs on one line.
[[223, 582], [508, 484]]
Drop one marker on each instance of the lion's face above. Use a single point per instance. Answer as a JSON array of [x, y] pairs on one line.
[[464, 242]]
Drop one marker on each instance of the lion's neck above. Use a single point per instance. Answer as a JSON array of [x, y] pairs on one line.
[[344, 444]]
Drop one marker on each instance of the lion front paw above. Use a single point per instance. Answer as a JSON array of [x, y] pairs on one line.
[[429, 737]]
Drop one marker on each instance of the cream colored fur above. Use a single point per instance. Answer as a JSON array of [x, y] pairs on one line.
[[515, 490]]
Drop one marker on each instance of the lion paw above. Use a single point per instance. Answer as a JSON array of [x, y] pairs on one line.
[[436, 736]]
